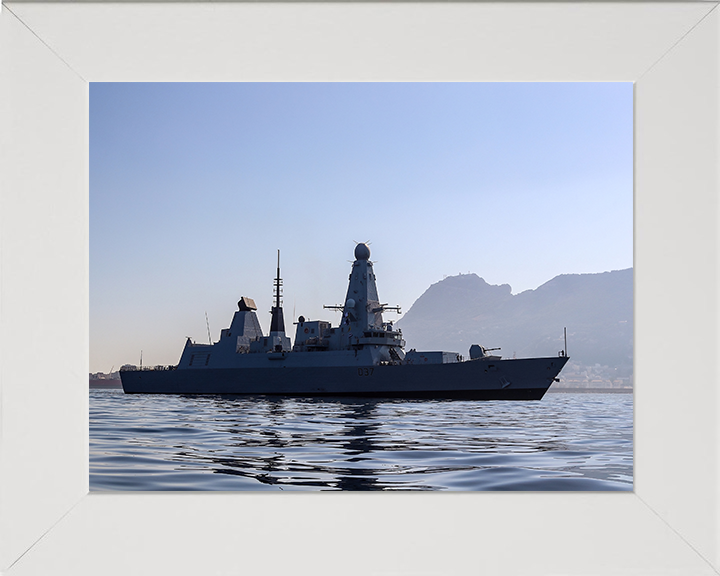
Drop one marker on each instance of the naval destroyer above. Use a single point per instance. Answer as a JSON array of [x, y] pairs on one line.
[[363, 356]]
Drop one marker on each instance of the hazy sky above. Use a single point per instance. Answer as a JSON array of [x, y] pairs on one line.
[[194, 188]]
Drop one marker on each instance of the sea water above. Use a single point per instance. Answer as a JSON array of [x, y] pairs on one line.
[[566, 441]]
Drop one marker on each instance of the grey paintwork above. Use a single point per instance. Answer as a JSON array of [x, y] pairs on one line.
[[362, 356]]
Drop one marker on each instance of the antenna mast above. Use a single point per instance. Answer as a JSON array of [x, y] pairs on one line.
[[278, 283], [277, 323]]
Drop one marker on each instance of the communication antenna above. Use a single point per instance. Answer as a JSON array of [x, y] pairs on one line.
[[207, 323], [277, 323], [278, 283], [565, 334], [140, 359]]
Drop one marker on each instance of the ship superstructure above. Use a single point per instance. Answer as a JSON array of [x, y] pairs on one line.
[[362, 356]]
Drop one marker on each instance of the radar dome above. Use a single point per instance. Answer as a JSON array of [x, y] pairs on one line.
[[350, 303], [362, 252]]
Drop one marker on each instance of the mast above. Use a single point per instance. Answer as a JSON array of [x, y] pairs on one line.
[[277, 323], [278, 283]]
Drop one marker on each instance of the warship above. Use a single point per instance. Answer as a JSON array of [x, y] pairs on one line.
[[364, 356]]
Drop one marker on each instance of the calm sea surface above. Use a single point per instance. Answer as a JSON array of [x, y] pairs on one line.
[[563, 442]]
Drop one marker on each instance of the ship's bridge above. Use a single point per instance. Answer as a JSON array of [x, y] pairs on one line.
[[381, 338]]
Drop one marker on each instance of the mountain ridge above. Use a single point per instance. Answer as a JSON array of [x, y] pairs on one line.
[[596, 308]]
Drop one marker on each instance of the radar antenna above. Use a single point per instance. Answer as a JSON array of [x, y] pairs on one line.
[[385, 308]]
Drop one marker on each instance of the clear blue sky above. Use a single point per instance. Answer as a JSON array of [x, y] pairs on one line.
[[194, 188]]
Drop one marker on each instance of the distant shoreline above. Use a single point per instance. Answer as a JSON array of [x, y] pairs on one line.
[[554, 390], [99, 383]]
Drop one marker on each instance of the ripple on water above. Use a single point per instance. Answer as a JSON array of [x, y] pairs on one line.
[[156, 442]]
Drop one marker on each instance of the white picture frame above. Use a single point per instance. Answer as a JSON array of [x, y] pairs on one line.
[[49, 523]]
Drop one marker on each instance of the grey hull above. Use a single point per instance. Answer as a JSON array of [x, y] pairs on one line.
[[510, 379]]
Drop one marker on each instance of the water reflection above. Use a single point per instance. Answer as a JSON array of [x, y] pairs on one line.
[[227, 443], [350, 429], [360, 433]]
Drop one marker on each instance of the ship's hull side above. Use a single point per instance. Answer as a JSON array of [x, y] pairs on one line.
[[522, 379]]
